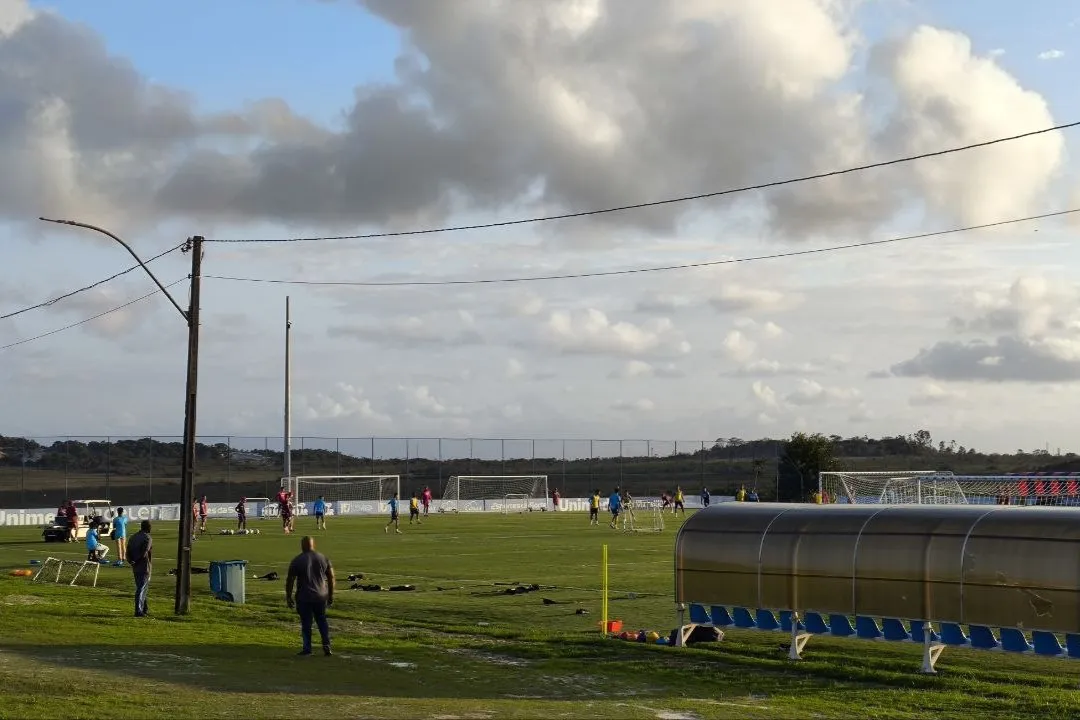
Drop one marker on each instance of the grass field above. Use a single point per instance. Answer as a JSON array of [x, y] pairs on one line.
[[457, 647]]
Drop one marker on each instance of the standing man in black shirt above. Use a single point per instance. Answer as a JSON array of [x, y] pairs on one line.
[[313, 577]]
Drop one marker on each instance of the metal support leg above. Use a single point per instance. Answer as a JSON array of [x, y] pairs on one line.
[[931, 652], [798, 639]]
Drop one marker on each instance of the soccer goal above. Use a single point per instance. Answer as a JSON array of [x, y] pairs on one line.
[[508, 493], [346, 488], [643, 516], [261, 507], [899, 487], [68, 572]]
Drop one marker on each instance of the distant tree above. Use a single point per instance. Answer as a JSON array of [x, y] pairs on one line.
[[809, 455]]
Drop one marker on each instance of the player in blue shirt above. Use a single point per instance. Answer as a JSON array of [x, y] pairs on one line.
[[94, 549], [119, 534], [319, 508], [393, 516], [615, 506]]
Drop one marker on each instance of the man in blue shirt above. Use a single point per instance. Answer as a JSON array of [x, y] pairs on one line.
[[615, 506], [393, 516], [94, 549], [119, 534], [319, 508]]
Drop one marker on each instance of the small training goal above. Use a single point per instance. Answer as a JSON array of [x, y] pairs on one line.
[[347, 488], [505, 493], [642, 516], [68, 572]]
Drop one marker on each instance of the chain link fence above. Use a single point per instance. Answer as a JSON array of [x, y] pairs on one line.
[[45, 471]]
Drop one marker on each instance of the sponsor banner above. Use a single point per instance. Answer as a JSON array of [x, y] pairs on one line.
[[257, 509]]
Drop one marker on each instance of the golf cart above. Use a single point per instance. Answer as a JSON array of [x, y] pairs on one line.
[[92, 513]]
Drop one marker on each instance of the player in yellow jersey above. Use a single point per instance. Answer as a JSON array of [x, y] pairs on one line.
[[816, 497], [740, 496], [594, 508], [679, 504], [414, 509]]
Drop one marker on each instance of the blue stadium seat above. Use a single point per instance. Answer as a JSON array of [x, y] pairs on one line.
[[742, 618], [1072, 645], [953, 634], [840, 626], [785, 621], [816, 624], [866, 628], [983, 638], [1013, 640], [766, 620], [698, 615], [893, 629], [1046, 643], [720, 617], [917, 628]]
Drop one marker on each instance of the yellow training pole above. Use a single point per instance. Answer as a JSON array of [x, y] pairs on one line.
[[604, 583]]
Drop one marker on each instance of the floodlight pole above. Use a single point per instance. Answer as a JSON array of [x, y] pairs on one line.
[[187, 479], [288, 396]]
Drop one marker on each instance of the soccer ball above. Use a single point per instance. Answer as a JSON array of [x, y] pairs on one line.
[[257, 531]]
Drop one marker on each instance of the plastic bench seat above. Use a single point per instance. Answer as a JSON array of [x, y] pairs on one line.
[[983, 638], [720, 617], [816, 624], [894, 630], [699, 616], [953, 634], [840, 626], [767, 621], [867, 628], [742, 618], [1072, 645], [1046, 643], [785, 621], [917, 630], [1013, 640]]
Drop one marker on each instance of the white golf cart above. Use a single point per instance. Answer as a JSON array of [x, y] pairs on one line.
[[92, 513]]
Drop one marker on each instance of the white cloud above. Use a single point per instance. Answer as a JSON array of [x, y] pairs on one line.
[[642, 405], [514, 368], [1051, 54], [810, 392], [932, 394], [591, 331], [736, 298]]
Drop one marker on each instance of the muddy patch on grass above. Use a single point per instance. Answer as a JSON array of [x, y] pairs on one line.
[[489, 657], [24, 600], [171, 663]]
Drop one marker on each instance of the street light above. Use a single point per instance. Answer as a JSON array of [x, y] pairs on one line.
[[187, 477]]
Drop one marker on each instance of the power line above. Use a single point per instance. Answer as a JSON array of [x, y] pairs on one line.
[[99, 283], [655, 203], [91, 319], [633, 271]]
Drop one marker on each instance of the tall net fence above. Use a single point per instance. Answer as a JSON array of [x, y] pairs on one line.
[[45, 471], [937, 487]]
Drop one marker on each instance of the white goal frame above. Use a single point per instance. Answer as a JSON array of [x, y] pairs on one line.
[[51, 562], [892, 487], [379, 488], [478, 493], [267, 507], [653, 520]]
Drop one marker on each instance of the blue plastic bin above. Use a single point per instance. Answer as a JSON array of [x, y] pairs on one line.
[[228, 580]]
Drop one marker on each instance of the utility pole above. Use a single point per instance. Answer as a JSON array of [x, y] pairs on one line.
[[187, 478], [288, 395]]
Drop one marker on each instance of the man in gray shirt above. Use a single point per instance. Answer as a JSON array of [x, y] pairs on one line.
[[140, 556], [313, 577]]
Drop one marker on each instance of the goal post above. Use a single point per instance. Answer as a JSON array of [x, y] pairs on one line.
[[892, 487], [346, 488], [477, 493], [643, 516]]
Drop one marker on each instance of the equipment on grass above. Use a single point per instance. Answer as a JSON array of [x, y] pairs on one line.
[[347, 488], [941, 487], [643, 516], [55, 570], [508, 493]]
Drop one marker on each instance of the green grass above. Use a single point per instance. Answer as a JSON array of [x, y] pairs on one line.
[[465, 651]]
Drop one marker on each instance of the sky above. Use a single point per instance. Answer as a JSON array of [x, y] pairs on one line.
[[303, 118]]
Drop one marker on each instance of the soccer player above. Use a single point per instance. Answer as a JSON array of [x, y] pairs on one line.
[[204, 511], [665, 501], [425, 499], [119, 534], [312, 575], [94, 549], [815, 497], [740, 496], [286, 510], [615, 506], [594, 508], [705, 497], [627, 506], [194, 519], [319, 508], [241, 514], [679, 504], [555, 499], [72, 514], [393, 516], [414, 509]]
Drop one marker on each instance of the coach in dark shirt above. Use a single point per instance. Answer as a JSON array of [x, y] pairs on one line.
[[140, 555], [313, 577]]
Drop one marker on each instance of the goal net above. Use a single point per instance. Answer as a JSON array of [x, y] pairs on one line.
[[643, 516], [346, 488], [476, 493], [76, 573], [899, 487]]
